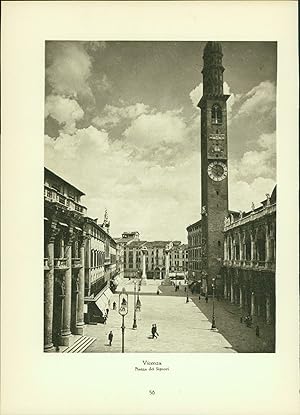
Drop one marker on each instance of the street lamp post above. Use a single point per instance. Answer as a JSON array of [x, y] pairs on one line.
[[134, 326], [187, 293], [213, 325], [123, 310], [138, 301]]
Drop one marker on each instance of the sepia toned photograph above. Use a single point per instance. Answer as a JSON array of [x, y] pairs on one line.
[[160, 196]]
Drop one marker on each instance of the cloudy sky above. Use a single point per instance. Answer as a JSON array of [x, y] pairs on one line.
[[121, 124]]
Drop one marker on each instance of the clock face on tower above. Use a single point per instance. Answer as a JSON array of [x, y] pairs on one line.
[[217, 171]]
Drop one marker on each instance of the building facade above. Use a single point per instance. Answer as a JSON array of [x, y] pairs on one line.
[[100, 269], [64, 261], [249, 260], [79, 263], [194, 251]]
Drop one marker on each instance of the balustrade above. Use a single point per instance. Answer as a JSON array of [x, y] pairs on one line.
[[76, 263], [54, 196], [60, 263]]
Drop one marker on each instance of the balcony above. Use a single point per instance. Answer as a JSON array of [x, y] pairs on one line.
[[267, 210], [76, 263], [60, 263], [53, 196], [250, 264]]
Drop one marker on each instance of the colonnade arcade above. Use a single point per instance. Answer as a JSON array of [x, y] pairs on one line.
[[63, 280], [249, 267]]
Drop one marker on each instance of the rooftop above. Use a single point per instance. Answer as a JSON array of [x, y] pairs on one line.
[[55, 176]]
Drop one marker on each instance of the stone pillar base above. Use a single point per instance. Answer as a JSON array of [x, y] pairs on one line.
[[48, 348], [144, 281], [65, 340], [79, 330]]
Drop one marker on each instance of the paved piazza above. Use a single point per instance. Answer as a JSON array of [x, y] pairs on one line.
[[182, 327]]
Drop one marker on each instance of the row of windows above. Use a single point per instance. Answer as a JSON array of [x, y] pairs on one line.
[[97, 258]]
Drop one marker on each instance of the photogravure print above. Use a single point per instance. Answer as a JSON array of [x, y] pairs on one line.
[[160, 197]]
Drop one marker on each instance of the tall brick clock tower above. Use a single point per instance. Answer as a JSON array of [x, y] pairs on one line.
[[214, 171]]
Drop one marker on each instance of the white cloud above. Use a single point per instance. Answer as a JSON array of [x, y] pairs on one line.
[[112, 115], [70, 68], [257, 163], [75, 147], [148, 130], [242, 193], [196, 94], [65, 111], [254, 175], [134, 191], [260, 99]]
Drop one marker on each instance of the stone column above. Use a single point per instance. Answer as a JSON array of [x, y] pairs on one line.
[[144, 274], [231, 291], [268, 309], [80, 299], [225, 287], [241, 297], [252, 304], [48, 298], [225, 248], [66, 319], [253, 253], [241, 247], [234, 249], [167, 263], [61, 247], [267, 259]]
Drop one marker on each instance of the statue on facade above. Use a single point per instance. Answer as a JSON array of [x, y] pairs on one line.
[[203, 211]]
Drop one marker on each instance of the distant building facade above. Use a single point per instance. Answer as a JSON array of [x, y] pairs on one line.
[[160, 255], [179, 257]]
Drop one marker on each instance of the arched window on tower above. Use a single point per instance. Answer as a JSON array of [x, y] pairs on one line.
[[216, 114]]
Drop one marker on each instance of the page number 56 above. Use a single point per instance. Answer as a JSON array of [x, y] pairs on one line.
[[151, 392]]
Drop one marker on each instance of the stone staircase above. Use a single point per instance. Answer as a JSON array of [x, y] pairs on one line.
[[80, 345]]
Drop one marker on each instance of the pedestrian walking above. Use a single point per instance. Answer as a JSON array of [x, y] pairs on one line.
[[114, 305], [185, 289], [199, 297], [155, 330], [257, 331], [110, 337], [104, 318], [206, 299], [107, 311], [157, 292]]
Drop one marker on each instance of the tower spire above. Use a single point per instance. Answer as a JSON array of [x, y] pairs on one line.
[[106, 222], [213, 70]]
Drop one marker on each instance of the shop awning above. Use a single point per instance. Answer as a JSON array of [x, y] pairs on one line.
[[108, 294], [102, 304]]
